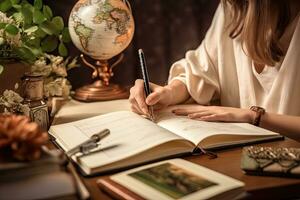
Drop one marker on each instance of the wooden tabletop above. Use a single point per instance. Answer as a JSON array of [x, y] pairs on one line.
[[228, 163]]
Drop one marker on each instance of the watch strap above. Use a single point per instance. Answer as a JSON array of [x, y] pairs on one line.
[[259, 111]]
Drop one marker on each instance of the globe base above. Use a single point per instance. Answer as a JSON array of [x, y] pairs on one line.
[[100, 92]]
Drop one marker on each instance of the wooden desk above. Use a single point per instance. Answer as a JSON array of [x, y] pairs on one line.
[[228, 162]]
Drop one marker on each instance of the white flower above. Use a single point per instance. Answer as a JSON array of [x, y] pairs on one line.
[[13, 40], [54, 70], [57, 64], [57, 87], [66, 88], [59, 70], [5, 19], [13, 103], [40, 67], [23, 108], [11, 97]]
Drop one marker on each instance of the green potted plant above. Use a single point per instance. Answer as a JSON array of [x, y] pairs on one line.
[[29, 33], [28, 30]]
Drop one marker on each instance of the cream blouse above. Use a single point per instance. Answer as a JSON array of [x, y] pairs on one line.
[[220, 70]]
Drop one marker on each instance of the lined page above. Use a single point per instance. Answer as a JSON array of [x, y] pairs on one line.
[[129, 135], [195, 131]]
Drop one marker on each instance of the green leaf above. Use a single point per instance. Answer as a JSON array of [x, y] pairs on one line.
[[58, 22], [62, 50], [36, 51], [27, 14], [15, 2], [66, 35], [47, 12], [31, 29], [17, 7], [5, 5], [18, 17], [3, 25], [34, 42], [1, 69], [40, 33], [49, 44], [1, 41], [38, 17], [38, 4], [11, 29], [25, 54], [49, 28], [72, 64]]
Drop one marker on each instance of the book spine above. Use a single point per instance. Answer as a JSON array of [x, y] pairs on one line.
[[117, 191]]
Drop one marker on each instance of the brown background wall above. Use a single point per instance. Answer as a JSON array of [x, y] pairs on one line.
[[165, 29]]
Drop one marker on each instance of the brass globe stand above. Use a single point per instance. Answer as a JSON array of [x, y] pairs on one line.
[[101, 89]]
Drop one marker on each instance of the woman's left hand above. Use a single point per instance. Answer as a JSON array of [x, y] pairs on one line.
[[217, 113]]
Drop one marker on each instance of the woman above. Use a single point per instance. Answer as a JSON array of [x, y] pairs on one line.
[[250, 58]]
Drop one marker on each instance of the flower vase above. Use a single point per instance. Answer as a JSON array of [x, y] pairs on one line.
[[33, 94]]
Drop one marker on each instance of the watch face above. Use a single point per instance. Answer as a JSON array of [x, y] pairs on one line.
[[258, 109]]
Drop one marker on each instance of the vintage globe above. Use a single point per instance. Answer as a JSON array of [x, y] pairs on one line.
[[101, 28]]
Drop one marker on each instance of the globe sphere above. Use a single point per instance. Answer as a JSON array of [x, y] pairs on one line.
[[101, 29]]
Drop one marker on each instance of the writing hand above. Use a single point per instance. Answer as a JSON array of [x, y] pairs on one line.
[[159, 98], [217, 113]]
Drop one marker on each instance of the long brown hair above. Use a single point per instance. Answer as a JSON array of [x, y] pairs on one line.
[[259, 24]]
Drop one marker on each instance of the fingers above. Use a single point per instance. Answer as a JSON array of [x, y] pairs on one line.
[[153, 98], [201, 114], [208, 118], [159, 98], [134, 107], [160, 95], [187, 111], [137, 97]]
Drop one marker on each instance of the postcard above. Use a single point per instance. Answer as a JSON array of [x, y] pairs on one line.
[[177, 179]]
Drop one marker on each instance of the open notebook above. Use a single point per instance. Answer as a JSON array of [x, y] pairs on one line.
[[135, 140]]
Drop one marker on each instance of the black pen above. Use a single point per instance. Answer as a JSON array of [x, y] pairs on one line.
[[146, 80]]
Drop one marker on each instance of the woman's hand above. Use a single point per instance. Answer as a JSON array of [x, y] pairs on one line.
[[159, 98], [217, 113]]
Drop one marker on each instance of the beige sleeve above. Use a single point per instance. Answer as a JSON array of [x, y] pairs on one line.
[[199, 69]]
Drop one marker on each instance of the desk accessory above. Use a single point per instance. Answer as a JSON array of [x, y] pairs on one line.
[[146, 80], [45, 178], [171, 179], [33, 94], [101, 30], [20, 138], [91, 143], [271, 161], [135, 140]]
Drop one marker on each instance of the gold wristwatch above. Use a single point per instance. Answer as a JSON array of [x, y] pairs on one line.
[[259, 111]]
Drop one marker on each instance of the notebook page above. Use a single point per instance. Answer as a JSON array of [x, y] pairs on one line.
[[195, 131], [129, 135]]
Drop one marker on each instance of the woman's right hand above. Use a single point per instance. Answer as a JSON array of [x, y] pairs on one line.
[[160, 97]]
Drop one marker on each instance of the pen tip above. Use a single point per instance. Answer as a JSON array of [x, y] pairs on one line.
[[140, 50]]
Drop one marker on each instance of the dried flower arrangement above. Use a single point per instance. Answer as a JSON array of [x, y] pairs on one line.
[[54, 70], [22, 138], [12, 102], [29, 33]]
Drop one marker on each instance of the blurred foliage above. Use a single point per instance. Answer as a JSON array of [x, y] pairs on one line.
[[29, 29]]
